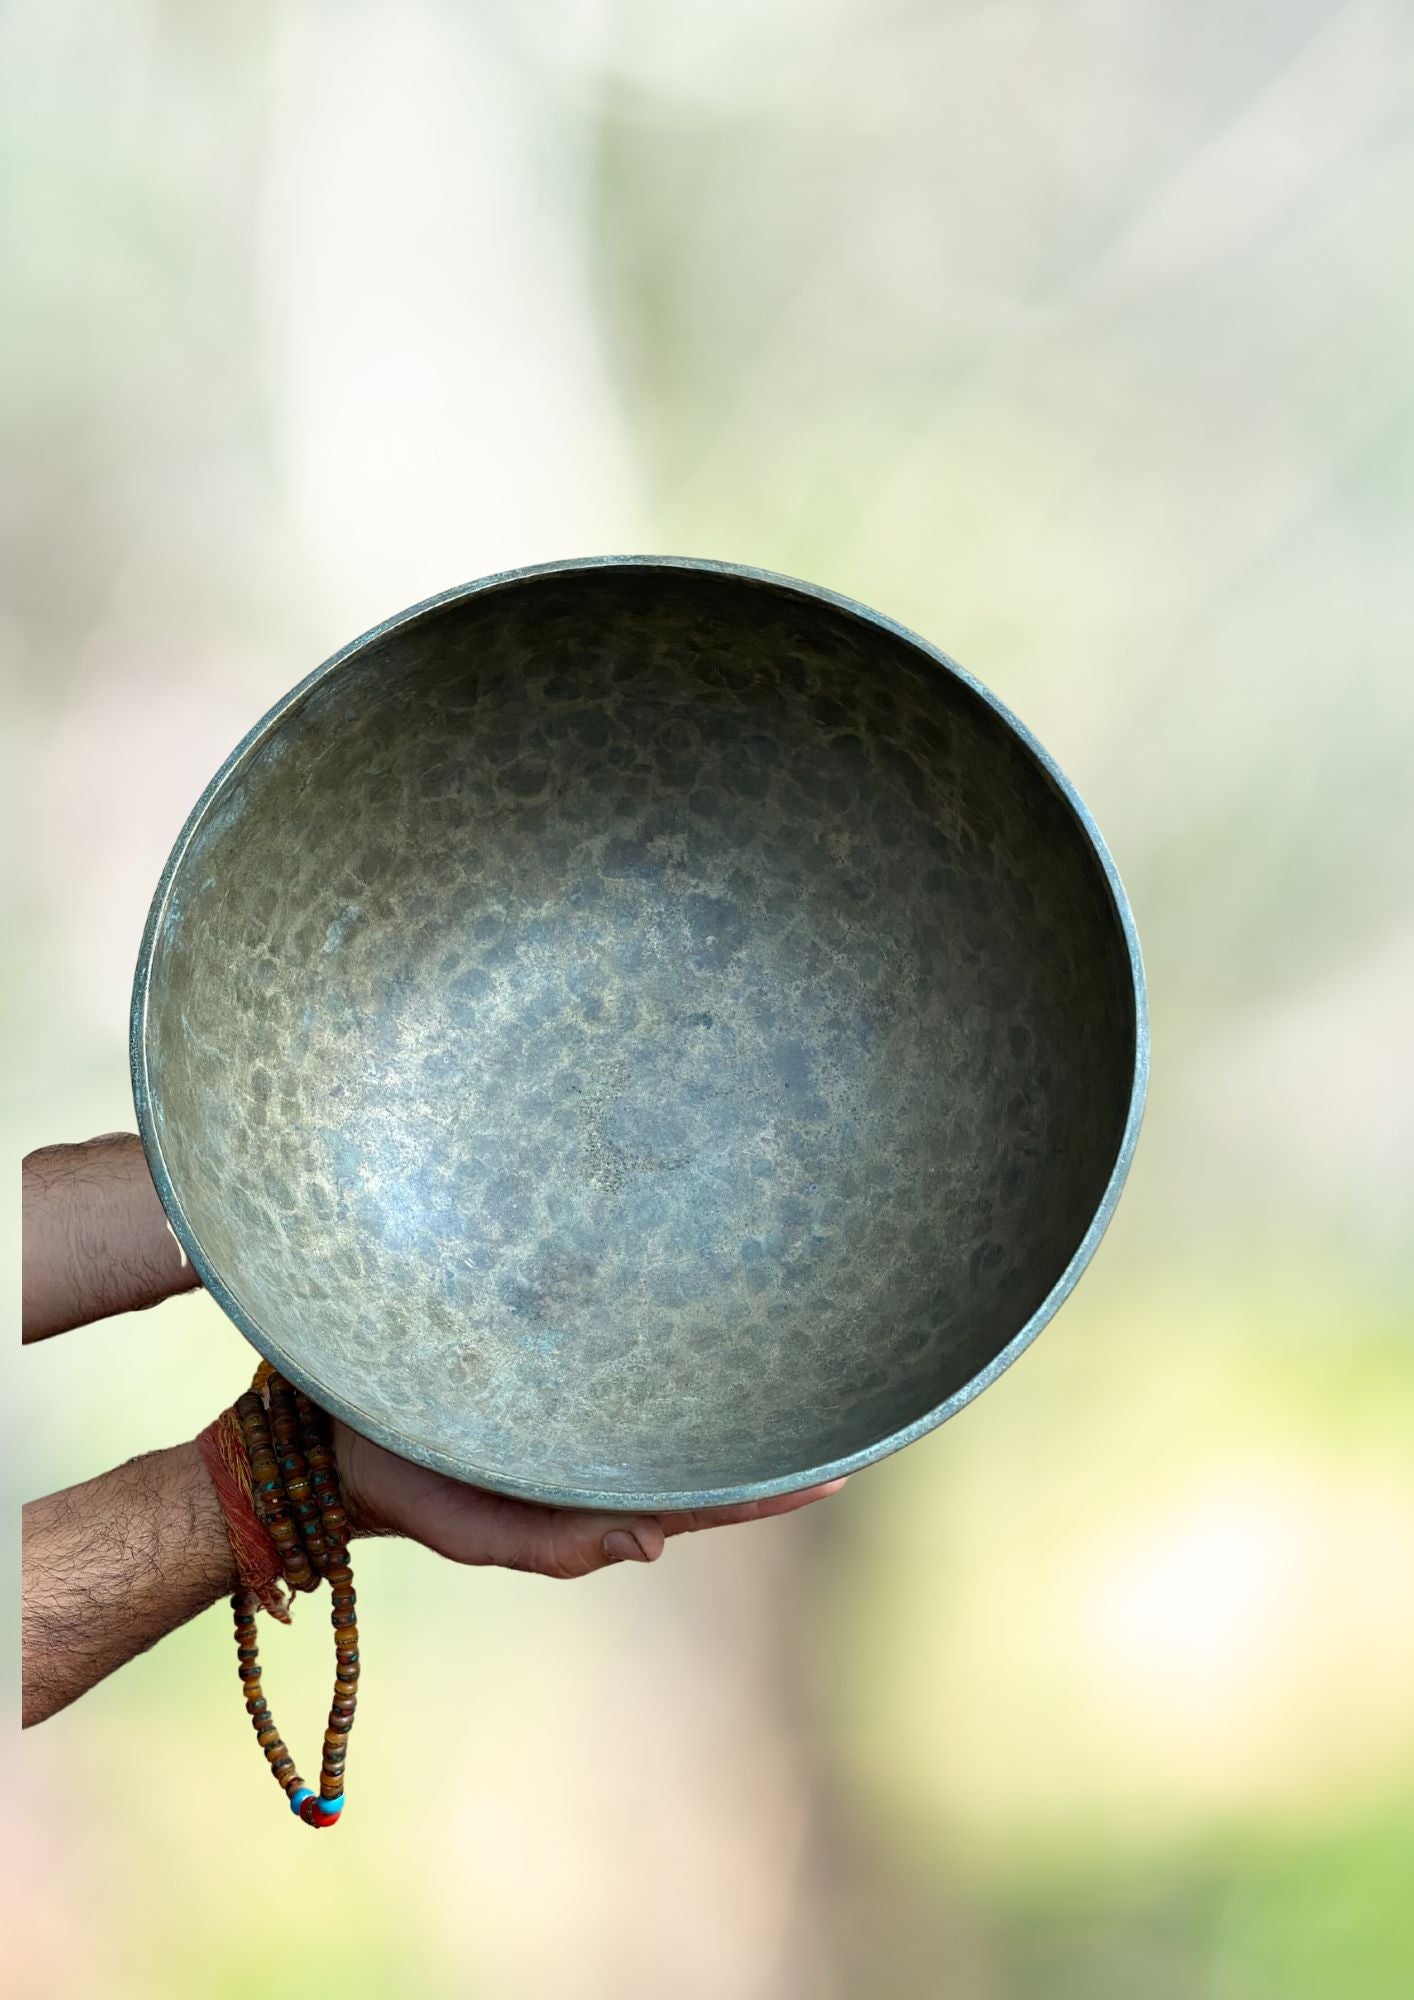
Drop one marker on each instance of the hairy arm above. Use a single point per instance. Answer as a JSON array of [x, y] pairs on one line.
[[111, 1566], [96, 1239]]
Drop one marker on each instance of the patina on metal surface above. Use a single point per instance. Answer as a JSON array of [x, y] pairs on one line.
[[640, 1033]]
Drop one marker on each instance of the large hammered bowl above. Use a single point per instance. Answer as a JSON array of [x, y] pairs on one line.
[[639, 1033]]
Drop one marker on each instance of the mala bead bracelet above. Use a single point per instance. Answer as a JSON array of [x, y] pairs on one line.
[[294, 1488]]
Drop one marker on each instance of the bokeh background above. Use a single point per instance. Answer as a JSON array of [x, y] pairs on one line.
[[1078, 337]]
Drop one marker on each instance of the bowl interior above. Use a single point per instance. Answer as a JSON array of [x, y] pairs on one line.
[[637, 1032]]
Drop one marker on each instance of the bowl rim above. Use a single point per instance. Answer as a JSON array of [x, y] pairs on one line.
[[588, 1496]]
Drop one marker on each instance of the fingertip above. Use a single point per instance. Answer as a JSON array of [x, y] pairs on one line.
[[650, 1537], [804, 1496], [634, 1541], [809, 1493]]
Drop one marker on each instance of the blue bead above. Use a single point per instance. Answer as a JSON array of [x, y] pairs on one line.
[[332, 1805], [298, 1798]]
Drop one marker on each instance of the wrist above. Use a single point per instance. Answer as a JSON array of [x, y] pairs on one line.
[[96, 1238], [184, 1488]]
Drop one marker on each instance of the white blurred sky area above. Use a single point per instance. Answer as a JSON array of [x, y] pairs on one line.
[[1079, 336]]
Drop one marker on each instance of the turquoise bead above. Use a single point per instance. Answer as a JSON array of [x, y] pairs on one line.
[[297, 1799], [332, 1805]]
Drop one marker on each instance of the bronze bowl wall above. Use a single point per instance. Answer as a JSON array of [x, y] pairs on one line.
[[639, 1033]]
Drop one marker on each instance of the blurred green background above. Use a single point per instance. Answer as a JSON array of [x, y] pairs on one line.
[[1078, 337]]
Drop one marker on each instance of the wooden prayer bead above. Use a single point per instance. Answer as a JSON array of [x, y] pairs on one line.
[[295, 1489]]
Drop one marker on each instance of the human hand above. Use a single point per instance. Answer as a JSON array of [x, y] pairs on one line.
[[387, 1495], [96, 1239], [97, 1242]]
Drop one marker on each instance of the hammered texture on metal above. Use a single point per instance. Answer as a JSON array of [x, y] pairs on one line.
[[636, 1031]]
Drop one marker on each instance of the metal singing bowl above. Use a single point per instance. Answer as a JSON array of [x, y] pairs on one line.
[[639, 1033]]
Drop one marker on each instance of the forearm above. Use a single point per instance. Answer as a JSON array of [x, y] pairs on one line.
[[96, 1240], [114, 1564]]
